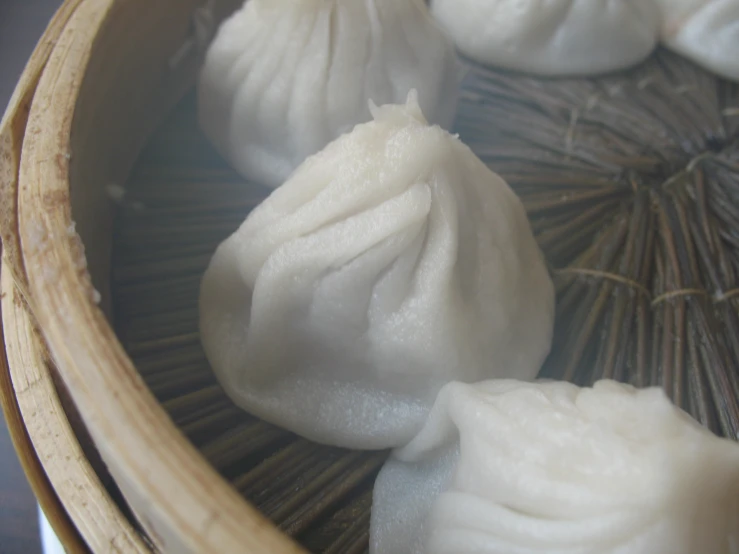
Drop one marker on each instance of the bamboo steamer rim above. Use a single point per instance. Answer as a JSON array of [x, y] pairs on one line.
[[94, 517], [67, 488], [182, 500], [42, 489], [23, 436]]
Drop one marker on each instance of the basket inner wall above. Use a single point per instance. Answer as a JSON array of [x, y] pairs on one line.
[[630, 182], [115, 84]]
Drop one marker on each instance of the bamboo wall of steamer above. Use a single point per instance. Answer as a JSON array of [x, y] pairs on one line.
[[97, 84]]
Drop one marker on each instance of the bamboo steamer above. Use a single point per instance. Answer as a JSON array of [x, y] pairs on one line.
[[53, 451], [74, 472], [62, 465], [106, 71], [40, 484], [112, 158]]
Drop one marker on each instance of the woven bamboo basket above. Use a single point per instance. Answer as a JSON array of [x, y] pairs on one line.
[[631, 182]]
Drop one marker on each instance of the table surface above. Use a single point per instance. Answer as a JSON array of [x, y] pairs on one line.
[[21, 24]]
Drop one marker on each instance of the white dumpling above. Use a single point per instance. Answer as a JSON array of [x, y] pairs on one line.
[[706, 31], [389, 264], [552, 37], [504, 467], [283, 78]]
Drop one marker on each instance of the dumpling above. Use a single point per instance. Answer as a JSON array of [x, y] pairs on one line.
[[389, 264], [706, 31], [503, 467], [552, 37], [283, 78]]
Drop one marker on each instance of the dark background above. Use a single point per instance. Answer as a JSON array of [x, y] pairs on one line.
[[21, 25]]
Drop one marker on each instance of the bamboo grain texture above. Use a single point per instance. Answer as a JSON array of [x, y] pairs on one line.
[[65, 169], [83, 495], [46, 442]]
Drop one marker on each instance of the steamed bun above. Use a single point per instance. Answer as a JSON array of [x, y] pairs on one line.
[[706, 31], [283, 78], [389, 264], [552, 37], [503, 467]]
